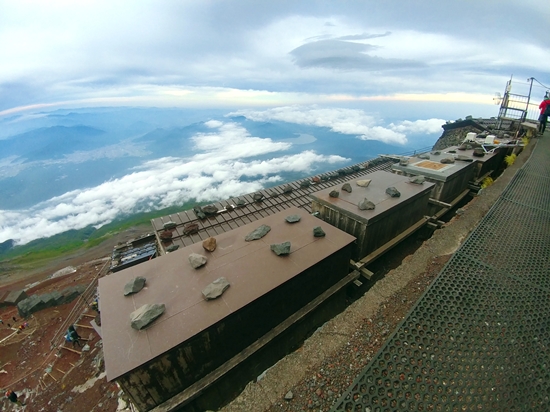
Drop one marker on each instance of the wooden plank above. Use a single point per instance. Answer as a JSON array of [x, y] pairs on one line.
[[453, 203], [360, 267], [72, 350], [198, 387], [51, 376], [481, 178], [439, 203], [366, 273], [84, 326]]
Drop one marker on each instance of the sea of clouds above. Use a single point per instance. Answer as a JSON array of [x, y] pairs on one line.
[[225, 161]]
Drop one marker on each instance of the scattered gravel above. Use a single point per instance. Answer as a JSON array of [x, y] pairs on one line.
[[324, 385]]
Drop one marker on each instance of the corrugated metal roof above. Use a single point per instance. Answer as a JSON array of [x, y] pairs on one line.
[[251, 268]]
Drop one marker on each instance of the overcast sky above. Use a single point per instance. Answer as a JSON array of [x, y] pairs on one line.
[[331, 64], [248, 53]]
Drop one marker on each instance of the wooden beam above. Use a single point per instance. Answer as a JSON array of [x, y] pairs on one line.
[[453, 203], [84, 326], [388, 245], [198, 387], [72, 350], [478, 181], [366, 273], [360, 267], [439, 203], [9, 336], [90, 316], [51, 376]]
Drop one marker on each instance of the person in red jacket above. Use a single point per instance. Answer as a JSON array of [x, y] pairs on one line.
[[544, 113]]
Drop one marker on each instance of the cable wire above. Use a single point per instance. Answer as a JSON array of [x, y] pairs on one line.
[[546, 87]]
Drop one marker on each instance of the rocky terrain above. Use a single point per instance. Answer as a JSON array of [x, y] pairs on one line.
[[34, 362]]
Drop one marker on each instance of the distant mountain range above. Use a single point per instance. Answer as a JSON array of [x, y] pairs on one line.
[[52, 142]]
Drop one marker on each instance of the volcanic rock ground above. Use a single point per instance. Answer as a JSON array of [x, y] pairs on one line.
[[312, 378]]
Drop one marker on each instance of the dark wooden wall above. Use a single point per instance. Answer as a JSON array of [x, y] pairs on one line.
[[165, 376]]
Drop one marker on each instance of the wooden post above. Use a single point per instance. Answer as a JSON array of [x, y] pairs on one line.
[[90, 316], [72, 350], [51, 376]]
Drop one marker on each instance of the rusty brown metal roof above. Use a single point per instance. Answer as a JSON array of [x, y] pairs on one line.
[[251, 268], [375, 192], [274, 201]]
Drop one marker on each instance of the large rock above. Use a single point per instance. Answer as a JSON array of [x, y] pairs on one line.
[[305, 183], [215, 289], [258, 197], [287, 189], [366, 204], [172, 248], [166, 235], [417, 180], [393, 192], [318, 231], [447, 160], [464, 158], [281, 249], [424, 156], [169, 225], [258, 233], [134, 286], [403, 162], [209, 244], [293, 218], [210, 210], [198, 212], [240, 202], [363, 183], [197, 260], [334, 193], [478, 152], [346, 187], [190, 228], [145, 315]]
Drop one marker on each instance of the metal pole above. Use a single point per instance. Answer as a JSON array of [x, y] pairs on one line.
[[528, 99]]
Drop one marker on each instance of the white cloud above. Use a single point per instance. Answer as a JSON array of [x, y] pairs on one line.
[[223, 157], [429, 126], [58, 52], [345, 121]]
